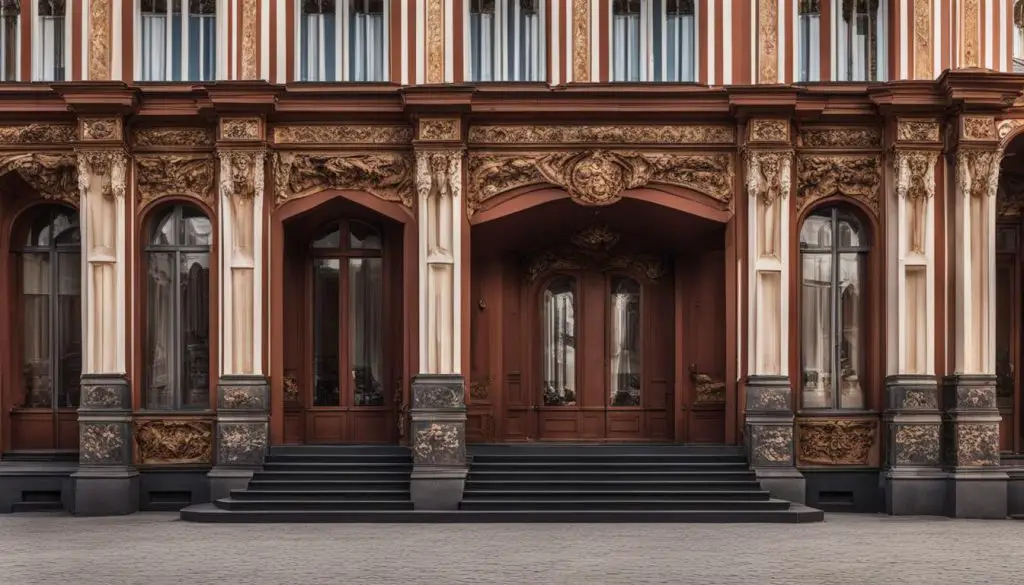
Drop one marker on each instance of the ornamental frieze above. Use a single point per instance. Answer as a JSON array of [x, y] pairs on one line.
[[342, 134], [440, 129], [855, 176], [101, 129], [841, 137], [238, 129], [609, 134], [149, 137], [836, 442], [162, 175], [174, 441], [763, 130], [598, 177], [917, 130], [388, 175], [978, 128], [38, 134], [53, 176]]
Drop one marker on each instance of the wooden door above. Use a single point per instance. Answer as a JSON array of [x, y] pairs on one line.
[[1008, 332]]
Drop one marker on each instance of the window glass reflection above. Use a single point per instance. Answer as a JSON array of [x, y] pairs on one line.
[[558, 310], [624, 342], [365, 315]]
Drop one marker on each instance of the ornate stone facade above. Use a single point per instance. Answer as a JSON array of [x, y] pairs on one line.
[[173, 442], [387, 175], [855, 176], [836, 442], [162, 175]]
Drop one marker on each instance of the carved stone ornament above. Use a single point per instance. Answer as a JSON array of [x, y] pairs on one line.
[[338, 134], [591, 134], [978, 128], [772, 444], [162, 175], [924, 66], [593, 247], [440, 129], [291, 389], [101, 443], [707, 388], [240, 129], [387, 175], [917, 130], [101, 129], [241, 443], [915, 173], [977, 444], [250, 30], [439, 173], [836, 442], [174, 441], [970, 23], [435, 19], [438, 443], [841, 137], [768, 41], [38, 134], [108, 165], [917, 445], [53, 175], [977, 172], [1006, 127], [148, 137], [100, 22], [241, 173], [769, 130], [598, 177], [856, 176], [769, 175], [480, 390], [581, 41]]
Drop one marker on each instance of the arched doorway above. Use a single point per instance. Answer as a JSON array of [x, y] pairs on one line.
[[597, 324], [1009, 297], [342, 278]]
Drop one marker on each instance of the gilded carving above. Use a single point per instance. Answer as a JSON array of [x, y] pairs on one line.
[[440, 129], [439, 172], [917, 445], [240, 129], [592, 247], [99, 40], [917, 131], [977, 444], [439, 443], [95, 129], [971, 29], [1005, 127], [174, 441], [173, 137], [841, 137], [53, 176], [38, 134], [100, 443], [856, 176], [387, 175], [596, 237], [923, 57], [581, 40], [915, 174], [291, 389], [836, 442], [772, 444], [250, 25], [241, 173], [342, 134], [768, 43], [978, 172], [768, 175], [161, 175], [707, 388], [591, 134], [762, 130], [978, 128], [435, 41]]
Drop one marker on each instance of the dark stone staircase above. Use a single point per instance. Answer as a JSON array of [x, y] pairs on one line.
[[510, 483]]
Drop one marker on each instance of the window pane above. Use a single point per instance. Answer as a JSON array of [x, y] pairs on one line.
[[624, 342], [363, 236], [1005, 318], [366, 330], [366, 40], [195, 328], [626, 40], [9, 11], [318, 40], [69, 328], [528, 59], [196, 227], [160, 344], [35, 345], [850, 231], [326, 288], [482, 40], [809, 41], [859, 31], [329, 240], [558, 314], [852, 268], [816, 330], [678, 38], [202, 47], [164, 233], [816, 233]]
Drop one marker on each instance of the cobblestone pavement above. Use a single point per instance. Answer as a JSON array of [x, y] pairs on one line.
[[154, 549]]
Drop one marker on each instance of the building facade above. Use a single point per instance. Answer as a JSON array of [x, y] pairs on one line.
[[790, 225]]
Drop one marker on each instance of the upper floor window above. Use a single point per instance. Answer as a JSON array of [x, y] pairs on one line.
[[1018, 36], [51, 34], [808, 40], [177, 44], [860, 36], [343, 40], [506, 40], [653, 40], [10, 13]]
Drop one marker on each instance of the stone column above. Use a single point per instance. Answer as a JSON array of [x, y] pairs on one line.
[[243, 394], [913, 476], [769, 401], [106, 482], [438, 409], [976, 485]]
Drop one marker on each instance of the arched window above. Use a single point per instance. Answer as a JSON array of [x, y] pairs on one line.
[[808, 41], [833, 273], [624, 342], [506, 40], [51, 310], [558, 312], [348, 316], [860, 40], [178, 307], [653, 40]]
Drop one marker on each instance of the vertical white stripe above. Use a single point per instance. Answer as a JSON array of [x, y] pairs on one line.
[[781, 41], [421, 53], [569, 44], [1003, 37], [403, 44], [222, 38], [795, 27], [906, 33], [265, 40], [833, 58], [711, 41], [986, 34], [753, 65], [595, 35], [937, 39], [85, 43], [449, 42], [727, 46], [232, 65], [554, 73], [281, 75]]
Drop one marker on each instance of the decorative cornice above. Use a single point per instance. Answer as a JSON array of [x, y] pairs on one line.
[[825, 175], [162, 175], [767, 41], [39, 134], [440, 129], [387, 175], [151, 137], [54, 176], [581, 41], [342, 134], [840, 137], [603, 134]]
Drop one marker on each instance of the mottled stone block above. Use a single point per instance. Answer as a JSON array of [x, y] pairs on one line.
[[241, 443], [974, 393], [771, 445], [439, 443], [916, 445], [100, 392], [244, 394], [912, 393], [103, 443], [768, 394], [439, 392]]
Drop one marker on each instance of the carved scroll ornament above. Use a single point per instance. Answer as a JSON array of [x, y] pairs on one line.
[[38, 134], [609, 134], [708, 389], [598, 177], [342, 134], [917, 131], [241, 173], [53, 176], [978, 172], [174, 442], [440, 129], [387, 175], [768, 175], [978, 128], [160, 176], [856, 176], [174, 137], [841, 137], [835, 442], [915, 174]]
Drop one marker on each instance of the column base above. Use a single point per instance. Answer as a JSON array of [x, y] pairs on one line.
[[909, 493], [105, 492], [225, 479], [976, 494], [437, 489], [783, 483]]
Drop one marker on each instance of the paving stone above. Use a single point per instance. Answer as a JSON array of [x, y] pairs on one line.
[[156, 549]]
